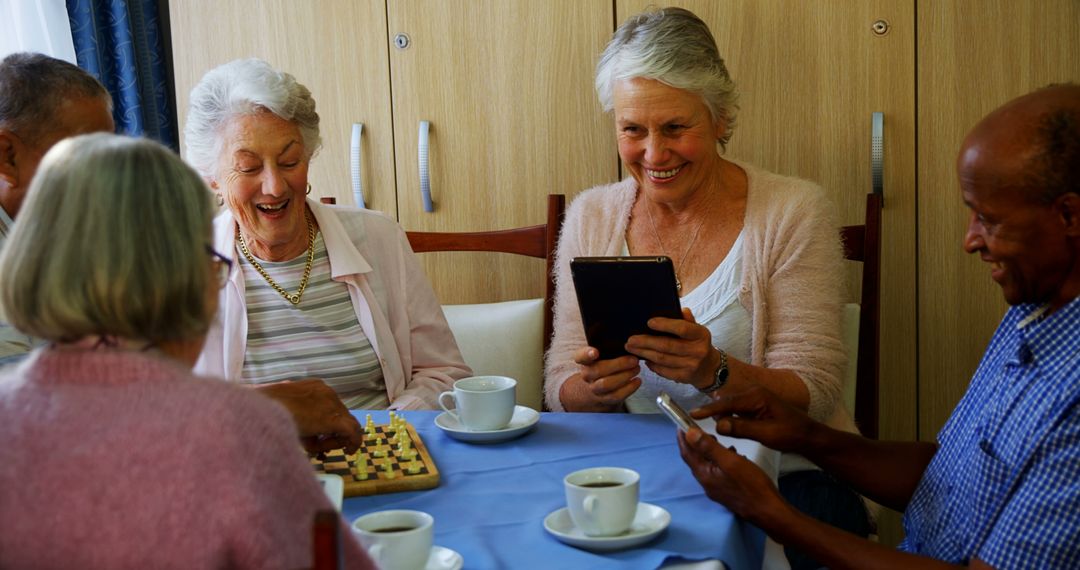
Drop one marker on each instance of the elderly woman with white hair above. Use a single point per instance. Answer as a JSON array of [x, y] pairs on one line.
[[115, 455], [318, 294], [756, 255]]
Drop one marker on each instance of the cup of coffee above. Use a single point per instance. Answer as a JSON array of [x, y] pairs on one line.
[[482, 403], [396, 539], [602, 500]]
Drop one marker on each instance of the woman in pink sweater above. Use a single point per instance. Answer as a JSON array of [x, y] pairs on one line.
[[756, 256], [114, 455]]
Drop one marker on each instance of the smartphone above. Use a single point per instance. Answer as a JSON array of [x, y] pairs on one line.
[[674, 412], [618, 295]]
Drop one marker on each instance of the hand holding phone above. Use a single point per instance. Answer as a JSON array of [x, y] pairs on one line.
[[674, 412]]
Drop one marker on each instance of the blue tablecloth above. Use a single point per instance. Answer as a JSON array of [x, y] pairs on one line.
[[492, 499]]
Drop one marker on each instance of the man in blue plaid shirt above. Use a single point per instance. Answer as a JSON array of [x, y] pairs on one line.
[[1001, 486]]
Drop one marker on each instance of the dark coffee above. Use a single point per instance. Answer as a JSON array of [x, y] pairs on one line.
[[394, 529], [602, 484]]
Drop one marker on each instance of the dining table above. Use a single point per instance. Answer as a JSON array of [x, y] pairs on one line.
[[492, 498]]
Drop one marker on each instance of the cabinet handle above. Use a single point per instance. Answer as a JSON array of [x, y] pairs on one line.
[[425, 178], [877, 169], [357, 177]]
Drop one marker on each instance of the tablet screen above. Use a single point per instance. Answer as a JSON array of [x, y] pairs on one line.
[[618, 295]]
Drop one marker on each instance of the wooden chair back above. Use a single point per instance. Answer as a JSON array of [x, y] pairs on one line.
[[863, 243], [534, 241], [326, 541]]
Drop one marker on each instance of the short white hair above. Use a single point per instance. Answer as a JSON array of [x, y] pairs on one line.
[[111, 241], [674, 47], [244, 87]]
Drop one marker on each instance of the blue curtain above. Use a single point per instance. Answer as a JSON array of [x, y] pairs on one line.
[[120, 42]]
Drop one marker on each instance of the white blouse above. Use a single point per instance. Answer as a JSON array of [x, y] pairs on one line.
[[715, 304]]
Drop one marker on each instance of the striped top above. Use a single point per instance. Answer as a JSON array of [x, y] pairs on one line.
[[319, 338], [1004, 485]]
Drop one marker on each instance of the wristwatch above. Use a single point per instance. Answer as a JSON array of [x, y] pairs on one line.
[[720, 378]]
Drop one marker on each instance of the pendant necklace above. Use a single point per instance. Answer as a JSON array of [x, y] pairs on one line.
[[675, 263]]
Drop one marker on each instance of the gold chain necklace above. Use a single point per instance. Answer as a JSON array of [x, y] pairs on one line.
[[295, 297], [675, 263]]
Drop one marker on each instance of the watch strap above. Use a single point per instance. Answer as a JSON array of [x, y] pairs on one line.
[[720, 377]]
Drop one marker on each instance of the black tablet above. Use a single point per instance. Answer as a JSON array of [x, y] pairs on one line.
[[618, 295]]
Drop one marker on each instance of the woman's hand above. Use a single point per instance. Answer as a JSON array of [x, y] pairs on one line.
[[602, 385], [323, 421], [729, 478], [690, 358]]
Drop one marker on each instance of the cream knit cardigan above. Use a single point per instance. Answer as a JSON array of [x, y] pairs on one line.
[[791, 283]]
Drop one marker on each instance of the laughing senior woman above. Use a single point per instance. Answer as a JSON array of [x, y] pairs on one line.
[[756, 255], [114, 454], [319, 294]]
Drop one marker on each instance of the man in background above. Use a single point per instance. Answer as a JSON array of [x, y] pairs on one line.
[[42, 100], [1000, 488]]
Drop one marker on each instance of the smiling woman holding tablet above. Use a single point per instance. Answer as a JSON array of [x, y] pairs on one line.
[[756, 257]]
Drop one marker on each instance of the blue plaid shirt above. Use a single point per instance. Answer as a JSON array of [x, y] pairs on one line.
[[1004, 486]]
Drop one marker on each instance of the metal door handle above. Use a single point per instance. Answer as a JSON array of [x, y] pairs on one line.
[[425, 178], [877, 169], [357, 176]]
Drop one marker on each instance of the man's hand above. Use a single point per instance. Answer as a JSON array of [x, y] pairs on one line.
[[323, 421], [729, 478], [758, 414]]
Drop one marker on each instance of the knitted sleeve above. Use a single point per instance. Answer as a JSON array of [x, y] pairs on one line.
[[802, 292]]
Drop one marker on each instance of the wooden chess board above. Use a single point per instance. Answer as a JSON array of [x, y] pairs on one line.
[[380, 479]]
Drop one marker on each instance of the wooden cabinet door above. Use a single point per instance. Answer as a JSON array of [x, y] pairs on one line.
[[507, 86], [810, 76], [974, 55], [337, 48]]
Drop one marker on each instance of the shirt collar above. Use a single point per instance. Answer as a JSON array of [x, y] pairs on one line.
[[1053, 335]]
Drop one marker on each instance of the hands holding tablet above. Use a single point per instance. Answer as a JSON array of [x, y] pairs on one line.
[[630, 311], [687, 357]]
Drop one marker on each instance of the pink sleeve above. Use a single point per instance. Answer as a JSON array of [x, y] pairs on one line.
[[569, 334], [271, 495], [802, 299]]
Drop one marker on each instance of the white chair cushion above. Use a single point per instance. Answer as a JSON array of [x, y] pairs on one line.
[[503, 339], [849, 334]]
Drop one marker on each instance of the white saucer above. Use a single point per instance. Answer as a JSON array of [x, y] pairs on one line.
[[649, 521], [523, 420], [443, 558]]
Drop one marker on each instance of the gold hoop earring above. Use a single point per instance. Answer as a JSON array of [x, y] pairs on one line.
[[308, 188]]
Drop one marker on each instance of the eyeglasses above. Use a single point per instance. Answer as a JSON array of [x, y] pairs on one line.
[[222, 265]]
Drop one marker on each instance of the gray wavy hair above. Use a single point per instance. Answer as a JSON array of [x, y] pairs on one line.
[[672, 46], [240, 87], [111, 241]]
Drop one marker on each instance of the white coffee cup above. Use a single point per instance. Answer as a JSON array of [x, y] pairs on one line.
[[482, 403], [602, 500], [398, 539]]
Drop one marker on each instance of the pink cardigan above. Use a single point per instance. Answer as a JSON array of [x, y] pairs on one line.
[[791, 282], [120, 459], [393, 300]]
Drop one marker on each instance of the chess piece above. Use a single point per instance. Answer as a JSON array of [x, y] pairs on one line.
[[360, 467]]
